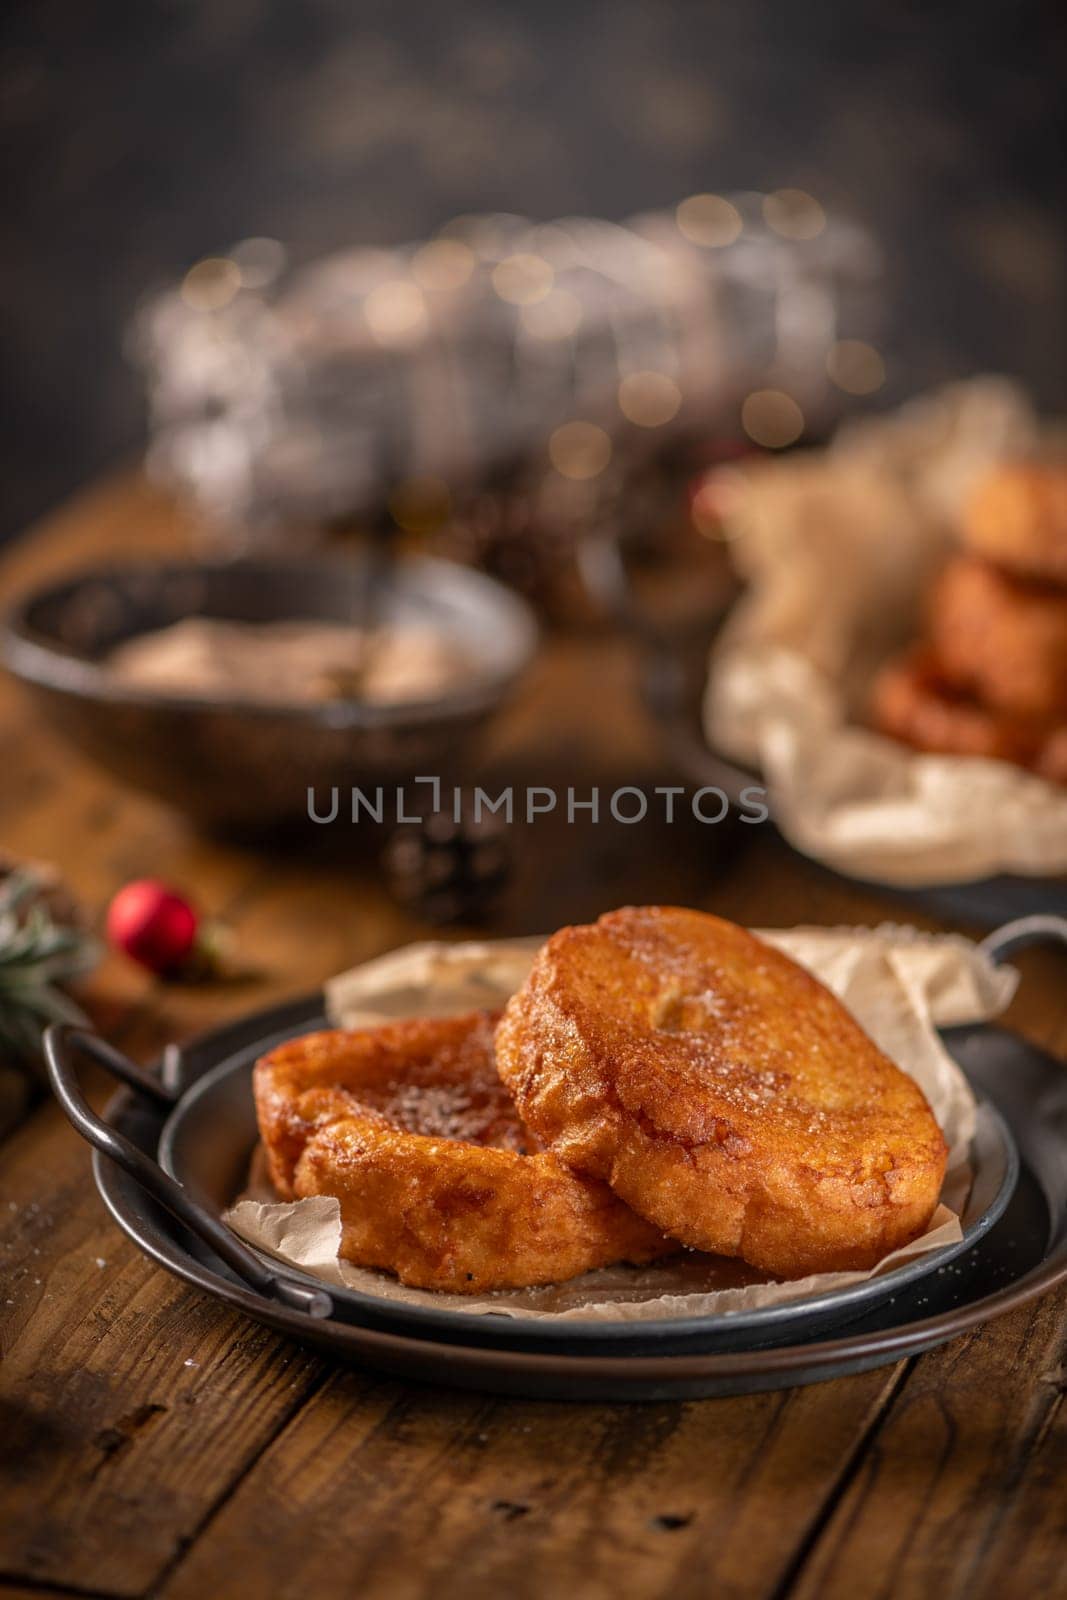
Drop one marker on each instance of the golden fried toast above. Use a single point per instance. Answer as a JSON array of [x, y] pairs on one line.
[[410, 1128], [1002, 638], [721, 1091], [913, 700], [1017, 517]]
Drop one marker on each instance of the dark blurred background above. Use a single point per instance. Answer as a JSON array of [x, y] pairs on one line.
[[140, 137]]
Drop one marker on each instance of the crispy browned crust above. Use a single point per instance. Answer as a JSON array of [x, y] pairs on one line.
[[721, 1091], [912, 700], [1017, 517], [409, 1126], [1003, 638]]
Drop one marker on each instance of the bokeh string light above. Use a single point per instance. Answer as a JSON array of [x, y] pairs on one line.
[[794, 214], [650, 399], [396, 313], [579, 450], [260, 261], [523, 279], [856, 367], [443, 264], [709, 219], [211, 284], [281, 396], [557, 316], [772, 418]]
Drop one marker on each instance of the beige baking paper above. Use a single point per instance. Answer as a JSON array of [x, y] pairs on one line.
[[837, 548], [899, 984]]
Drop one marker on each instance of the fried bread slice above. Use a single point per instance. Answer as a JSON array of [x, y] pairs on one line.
[[1017, 517], [912, 700], [721, 1091], [1002, 638], [410, 1128]]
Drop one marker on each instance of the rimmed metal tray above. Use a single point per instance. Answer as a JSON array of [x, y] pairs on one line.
[[206, 1142], [1016, 1245]]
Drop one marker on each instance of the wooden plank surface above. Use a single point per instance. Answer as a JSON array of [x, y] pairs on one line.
[[962, 1492], [128, 1405], [155, 1443], [379, 1490]]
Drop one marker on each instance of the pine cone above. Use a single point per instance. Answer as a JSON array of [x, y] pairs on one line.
[[449, 871], [501, 534]]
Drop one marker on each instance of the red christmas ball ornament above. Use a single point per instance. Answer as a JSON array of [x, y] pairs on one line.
[[155, 926]]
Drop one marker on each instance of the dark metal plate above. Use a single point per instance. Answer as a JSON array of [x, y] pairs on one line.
[[1019, 1256], [206, 1143]]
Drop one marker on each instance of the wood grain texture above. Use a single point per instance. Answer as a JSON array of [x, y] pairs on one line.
[[127, 1404], [153, 1442], [379, 1490], [18, 1591], [1025, 1553], [957, 1495]]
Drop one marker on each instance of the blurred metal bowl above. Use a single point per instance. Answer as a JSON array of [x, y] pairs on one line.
[[228, 762]]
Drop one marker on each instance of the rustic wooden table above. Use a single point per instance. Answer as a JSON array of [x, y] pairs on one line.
[[155, 1443]]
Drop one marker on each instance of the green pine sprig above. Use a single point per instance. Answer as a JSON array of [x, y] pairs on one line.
[[37, 956]]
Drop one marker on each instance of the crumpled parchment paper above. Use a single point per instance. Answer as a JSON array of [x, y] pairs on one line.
[[837, 548], [899, 984]]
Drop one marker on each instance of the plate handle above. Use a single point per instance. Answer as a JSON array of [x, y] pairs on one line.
[[1043, 928], [63, 1044]]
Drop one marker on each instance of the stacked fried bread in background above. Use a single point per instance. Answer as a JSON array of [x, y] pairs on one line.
[[990, 676]]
